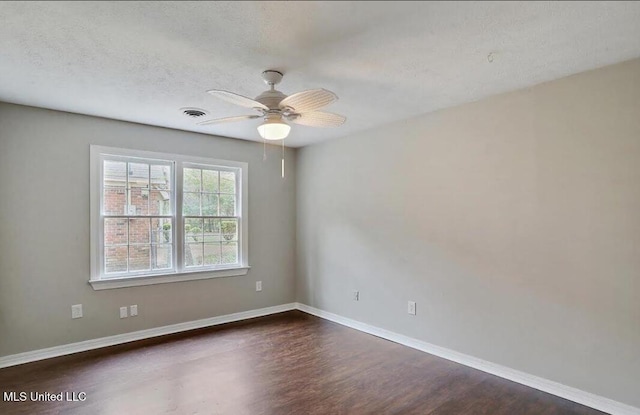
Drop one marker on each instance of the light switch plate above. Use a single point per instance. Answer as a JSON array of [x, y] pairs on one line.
[[123, 312], [258, 285], [133, 310]]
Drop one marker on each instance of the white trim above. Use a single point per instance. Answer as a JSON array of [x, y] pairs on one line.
[[567, 392], [94, 209], [109, 283], [35, 355]]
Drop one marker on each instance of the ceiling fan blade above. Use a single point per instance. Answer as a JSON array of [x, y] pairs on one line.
[[229, 119], [237, 99], [319, 119], [309, 100]]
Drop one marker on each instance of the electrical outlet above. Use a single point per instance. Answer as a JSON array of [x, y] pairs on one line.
[[76, 311], [258, 285], [133, 310], [123, 312], [411, 308], [356, 296]]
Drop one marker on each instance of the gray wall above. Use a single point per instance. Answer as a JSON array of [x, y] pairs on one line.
[[513, 222], [44, 232]]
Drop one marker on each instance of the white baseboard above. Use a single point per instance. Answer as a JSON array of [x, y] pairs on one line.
[[585, 398], [545, 385], [32, 356]]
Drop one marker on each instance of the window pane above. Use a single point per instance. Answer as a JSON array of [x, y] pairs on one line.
[[191, 180], [139, 232], [209, 204], [139, 257], [115, 259], [193, 255], [212, 254], [211, 230], [160, 202], [115, 232], [114, 200], [191, 204], [227, 182], [138, 201], [142, 189], [161, 231], [210, 181], [138, 175], [229, 230], [193, 230], [161, 256], [115, 173], [160, 177], [229, 252], [227, 205]]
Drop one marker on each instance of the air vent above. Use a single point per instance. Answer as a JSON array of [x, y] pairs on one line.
[[193, 112]]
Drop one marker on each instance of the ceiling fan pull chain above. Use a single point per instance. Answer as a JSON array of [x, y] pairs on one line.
[[264, 150], [283, 158]]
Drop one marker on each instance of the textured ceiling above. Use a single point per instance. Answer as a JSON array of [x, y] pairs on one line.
[[142, 61]]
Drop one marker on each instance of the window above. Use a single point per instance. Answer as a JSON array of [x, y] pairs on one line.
[[163, 218]]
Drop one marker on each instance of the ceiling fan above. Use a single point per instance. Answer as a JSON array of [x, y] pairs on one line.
[[278, 109]]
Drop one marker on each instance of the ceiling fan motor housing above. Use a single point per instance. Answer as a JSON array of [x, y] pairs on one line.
[[271, 98]]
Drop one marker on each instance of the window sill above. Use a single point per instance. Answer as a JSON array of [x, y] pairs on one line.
[[111, 283]]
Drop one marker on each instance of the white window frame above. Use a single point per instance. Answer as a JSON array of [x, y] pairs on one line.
[[179, 272]]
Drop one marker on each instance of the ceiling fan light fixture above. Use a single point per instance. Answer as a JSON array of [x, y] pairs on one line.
[[274, 129]]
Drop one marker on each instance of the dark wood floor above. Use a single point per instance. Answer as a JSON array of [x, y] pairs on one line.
[[290, 363]]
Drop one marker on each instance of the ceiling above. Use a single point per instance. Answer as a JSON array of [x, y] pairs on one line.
[[387, 61]]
